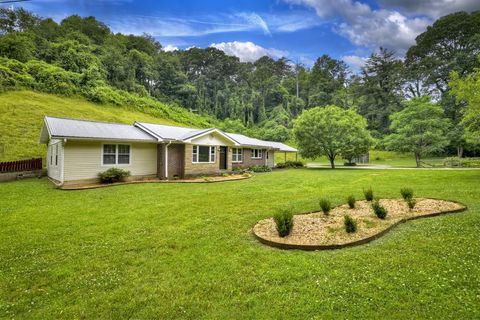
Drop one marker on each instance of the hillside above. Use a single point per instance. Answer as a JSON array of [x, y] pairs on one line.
[[22, 112]]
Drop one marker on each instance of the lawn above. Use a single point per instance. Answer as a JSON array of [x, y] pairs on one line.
[[186, 251]]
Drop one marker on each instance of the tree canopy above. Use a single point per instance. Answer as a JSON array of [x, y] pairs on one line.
[[420, 128], [331, 131]]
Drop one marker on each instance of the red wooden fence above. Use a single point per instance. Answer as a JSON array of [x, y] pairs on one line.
[[21, 165]]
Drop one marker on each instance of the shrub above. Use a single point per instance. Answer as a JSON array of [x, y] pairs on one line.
[[411, 203], [462, 162], [351, 201], [284, 222], [350, 224], [379, 210], [407, 193], [290, 164], [368, 194], [325, 205], [113, 175], [225, 174], [260, 168]]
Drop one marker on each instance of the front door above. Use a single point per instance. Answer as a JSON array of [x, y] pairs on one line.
[[223, 158]]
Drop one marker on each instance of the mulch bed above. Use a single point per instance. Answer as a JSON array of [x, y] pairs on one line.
[[316, 231], [206, 179]]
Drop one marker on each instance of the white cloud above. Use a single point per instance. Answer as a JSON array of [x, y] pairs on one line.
[[248, 51], [169, 48], [256, 20], [355, 62], [431, 8], [369, 27]]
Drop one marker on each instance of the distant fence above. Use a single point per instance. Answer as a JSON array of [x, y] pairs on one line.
[[21, 165]]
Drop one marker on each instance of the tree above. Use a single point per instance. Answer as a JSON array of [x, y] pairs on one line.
[[330, 131], [420, 128], [467, 91], [381, 91], [328, 76]]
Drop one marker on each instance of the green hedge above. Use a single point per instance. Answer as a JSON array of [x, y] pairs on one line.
[[462, 162]]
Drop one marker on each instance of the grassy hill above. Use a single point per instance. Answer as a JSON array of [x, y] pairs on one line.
[[22, 112]]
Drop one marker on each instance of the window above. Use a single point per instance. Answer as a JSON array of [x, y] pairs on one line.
[[203, 154], [123, 154], [237, 155], [51, 155], [56, 154], [257, 154], [116, 154]]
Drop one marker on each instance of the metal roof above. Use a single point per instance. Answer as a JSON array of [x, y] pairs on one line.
[[170, 132], [253, 142], [141, 131], [92, 130]]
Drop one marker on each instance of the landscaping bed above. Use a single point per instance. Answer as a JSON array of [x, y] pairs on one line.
[[206, 179], [317, 231]]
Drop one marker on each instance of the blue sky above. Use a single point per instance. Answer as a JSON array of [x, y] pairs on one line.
[[301, 30]]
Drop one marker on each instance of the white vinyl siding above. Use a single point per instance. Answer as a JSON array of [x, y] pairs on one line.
[[83, 159], [54, 156]]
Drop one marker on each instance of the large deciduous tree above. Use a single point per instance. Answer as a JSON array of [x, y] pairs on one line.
[[420, 127], [467, 91], [331, 131]]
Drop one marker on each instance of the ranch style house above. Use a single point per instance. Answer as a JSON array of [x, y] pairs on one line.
[[78, 150]]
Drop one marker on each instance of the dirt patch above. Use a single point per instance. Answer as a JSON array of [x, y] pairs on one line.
[[328, 232]]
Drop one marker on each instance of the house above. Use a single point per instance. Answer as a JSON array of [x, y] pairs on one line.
[[78, 150]]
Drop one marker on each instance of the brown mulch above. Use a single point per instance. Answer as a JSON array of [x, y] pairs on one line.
[[319, 229], [206, 179]]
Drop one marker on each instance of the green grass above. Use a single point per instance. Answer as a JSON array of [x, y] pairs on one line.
[[186, 251], [22, 112]]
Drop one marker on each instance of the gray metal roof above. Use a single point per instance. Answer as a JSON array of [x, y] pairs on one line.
[[170, 132], [253, 142], [92, 130], [141, 131]]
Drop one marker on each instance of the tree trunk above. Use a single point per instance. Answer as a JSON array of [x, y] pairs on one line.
[[332, 162], [417, 159], [460, 152]]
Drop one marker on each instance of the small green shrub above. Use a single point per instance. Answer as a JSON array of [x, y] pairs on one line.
[[407, 193], [379, 210], [284, 222], [237, 169], [351, 201], [290, 164], [350, 224], [411, 203], [368, 194], [325, 205], [113, 175], [225, 174], [260, 168]]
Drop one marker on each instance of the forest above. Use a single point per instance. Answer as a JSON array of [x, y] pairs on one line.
[[82, 56]]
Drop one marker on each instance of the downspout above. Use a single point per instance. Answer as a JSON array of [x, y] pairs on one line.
[[166, 159]]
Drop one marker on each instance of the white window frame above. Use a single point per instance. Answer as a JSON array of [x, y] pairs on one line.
[[116, 155], [212, 156], [259, 154], [237, 155]]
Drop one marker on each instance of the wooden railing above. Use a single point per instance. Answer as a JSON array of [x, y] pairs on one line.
[[21, 165]]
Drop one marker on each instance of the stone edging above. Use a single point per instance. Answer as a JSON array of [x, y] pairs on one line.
[[98, 186], [289, 246]]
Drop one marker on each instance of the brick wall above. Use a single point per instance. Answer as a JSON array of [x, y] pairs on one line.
[[248, 161], [198, 169]]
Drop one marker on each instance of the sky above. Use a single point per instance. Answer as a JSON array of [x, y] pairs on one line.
[[300, 30]]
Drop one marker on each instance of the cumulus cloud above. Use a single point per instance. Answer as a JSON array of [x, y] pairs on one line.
[[355, 62], [431, 8], [248, 51], [369, 27], [169, 48]]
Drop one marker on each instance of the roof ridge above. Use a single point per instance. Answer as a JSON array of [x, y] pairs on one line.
[[168, 125], [94, 121]]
